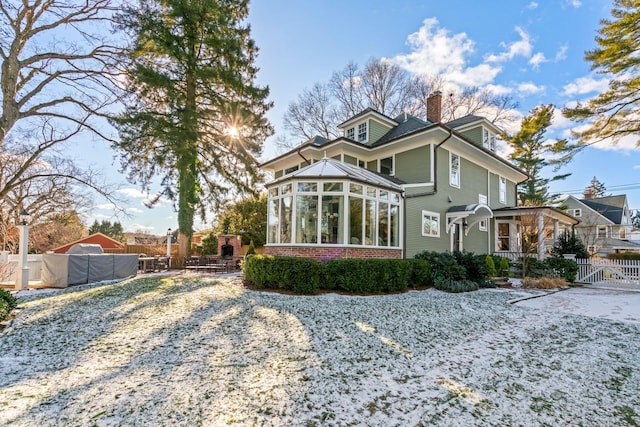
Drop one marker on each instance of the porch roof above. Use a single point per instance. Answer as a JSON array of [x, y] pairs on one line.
[[333, 169], [548, 211], [475, 213]]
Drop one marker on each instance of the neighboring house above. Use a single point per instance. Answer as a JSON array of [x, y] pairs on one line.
[[605, 223], [103, 240], [394, 187]]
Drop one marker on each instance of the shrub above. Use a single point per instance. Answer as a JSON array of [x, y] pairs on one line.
[[420, 273], [7, 303], [300, 275], [625, 256], [365, 276], [562, 267], [455, 286], [504, 267], [490, 266], [251, 250], [443, 264], [568, 243], [474, 265]]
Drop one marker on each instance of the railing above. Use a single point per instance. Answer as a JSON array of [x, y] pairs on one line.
[[601, 270]]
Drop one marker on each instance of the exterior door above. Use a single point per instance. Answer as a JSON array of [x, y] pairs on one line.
[[456, 236]]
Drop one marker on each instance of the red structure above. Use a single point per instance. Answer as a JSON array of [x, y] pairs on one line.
[[98, 238]]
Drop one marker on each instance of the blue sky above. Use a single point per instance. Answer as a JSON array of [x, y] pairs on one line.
[[532, 50]]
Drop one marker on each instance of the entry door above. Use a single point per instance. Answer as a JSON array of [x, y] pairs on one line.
[[456, 237]]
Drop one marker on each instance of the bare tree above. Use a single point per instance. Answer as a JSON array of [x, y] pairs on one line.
[[57, 84], [390, 90]]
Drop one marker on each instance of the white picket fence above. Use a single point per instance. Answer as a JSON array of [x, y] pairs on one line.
[[602, 271]]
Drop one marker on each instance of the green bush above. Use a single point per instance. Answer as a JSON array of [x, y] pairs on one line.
[[365, 276], [300, 275], [7, 303], [251, 250], [625, 256], [490, 266], [474, 265], [504, 267], [568, 243], [443, 264], [455, 286], [565, 268], [420, 273]]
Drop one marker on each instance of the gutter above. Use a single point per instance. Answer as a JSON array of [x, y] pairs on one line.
[[429, 193]]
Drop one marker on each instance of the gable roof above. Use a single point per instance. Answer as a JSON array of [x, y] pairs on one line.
[[406, 126], [456, 123], [369, 111], [334, 169], [103, 240], [611, 207]]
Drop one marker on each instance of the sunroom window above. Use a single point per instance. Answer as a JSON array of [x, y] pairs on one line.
[[333, 213]]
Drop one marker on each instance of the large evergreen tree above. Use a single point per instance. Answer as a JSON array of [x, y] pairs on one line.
[[532, 153], [196, 118], [614, 113]]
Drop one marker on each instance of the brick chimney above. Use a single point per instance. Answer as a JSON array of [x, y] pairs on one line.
[[588, 193], [434, 107]]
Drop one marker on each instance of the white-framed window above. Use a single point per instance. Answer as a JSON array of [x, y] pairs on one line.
[[488, 139], [351, 133], [591, 249], [504, 236], [602, 231], [577, 213], [386, 166], [454, 170], [362, 132], [502, 189], [430, 224], [482, 225]]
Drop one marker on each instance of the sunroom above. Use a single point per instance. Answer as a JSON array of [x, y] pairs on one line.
[[331, 209]]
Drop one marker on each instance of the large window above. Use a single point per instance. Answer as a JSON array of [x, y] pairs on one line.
[[430, 224], [454, 170], [502, 190], [333, 213]]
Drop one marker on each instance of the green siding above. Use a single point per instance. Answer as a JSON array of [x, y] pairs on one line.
[[373, 165], [414, 165], [376, 131], [474, 135], [350, 159]]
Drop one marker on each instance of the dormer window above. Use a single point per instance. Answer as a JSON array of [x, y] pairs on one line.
[[362, 132], [488, 139], [351, 133]]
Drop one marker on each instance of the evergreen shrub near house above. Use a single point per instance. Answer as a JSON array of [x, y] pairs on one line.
[[420, 273], [7, 303], [490, 266], [563, 267], [473, 264], [455, 286], [307, 276], [444, 265], [569, 243], [504, 267], [625, 256]]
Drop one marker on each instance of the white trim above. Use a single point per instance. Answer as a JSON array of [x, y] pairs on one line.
[[500, 192], [433, 215], [458, 173], [418, 184]]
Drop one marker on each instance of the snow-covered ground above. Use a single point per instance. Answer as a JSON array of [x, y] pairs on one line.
[[205, 351]]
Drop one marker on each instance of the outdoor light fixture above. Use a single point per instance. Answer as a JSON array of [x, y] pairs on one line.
[[169, 232], [24, 217]]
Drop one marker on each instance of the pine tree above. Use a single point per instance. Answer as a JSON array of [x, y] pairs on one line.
[[531, 152], [596, 188], [196, 118], [613, 114]]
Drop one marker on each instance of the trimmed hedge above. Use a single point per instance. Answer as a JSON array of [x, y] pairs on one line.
[[7, 303], [358, 276]]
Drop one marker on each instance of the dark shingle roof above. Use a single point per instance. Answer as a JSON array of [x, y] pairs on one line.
[[411, 124], [611, 207], [463, 121]]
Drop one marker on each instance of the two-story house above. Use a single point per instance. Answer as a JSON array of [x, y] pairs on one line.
[[605, 223], [393, 187]]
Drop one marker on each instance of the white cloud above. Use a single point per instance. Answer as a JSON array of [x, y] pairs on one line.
[[537, 59], [561, 53], [522, 47], [584, 85], [104, 206], [134, 211], [574, 3], [435, 51], [499, 89], [636, 167], [140, 227], [626, 144], [532, 5], [133, 193], [529, 88]]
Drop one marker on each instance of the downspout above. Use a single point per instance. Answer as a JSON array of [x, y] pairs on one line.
[[429, 193], [300, 154]]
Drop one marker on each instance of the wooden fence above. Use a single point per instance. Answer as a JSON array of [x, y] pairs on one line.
[[608, 271]]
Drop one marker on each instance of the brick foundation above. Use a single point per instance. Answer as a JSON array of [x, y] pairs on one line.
[[328, 253]]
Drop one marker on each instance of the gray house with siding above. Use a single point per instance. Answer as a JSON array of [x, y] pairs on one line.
[[394, 187]]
